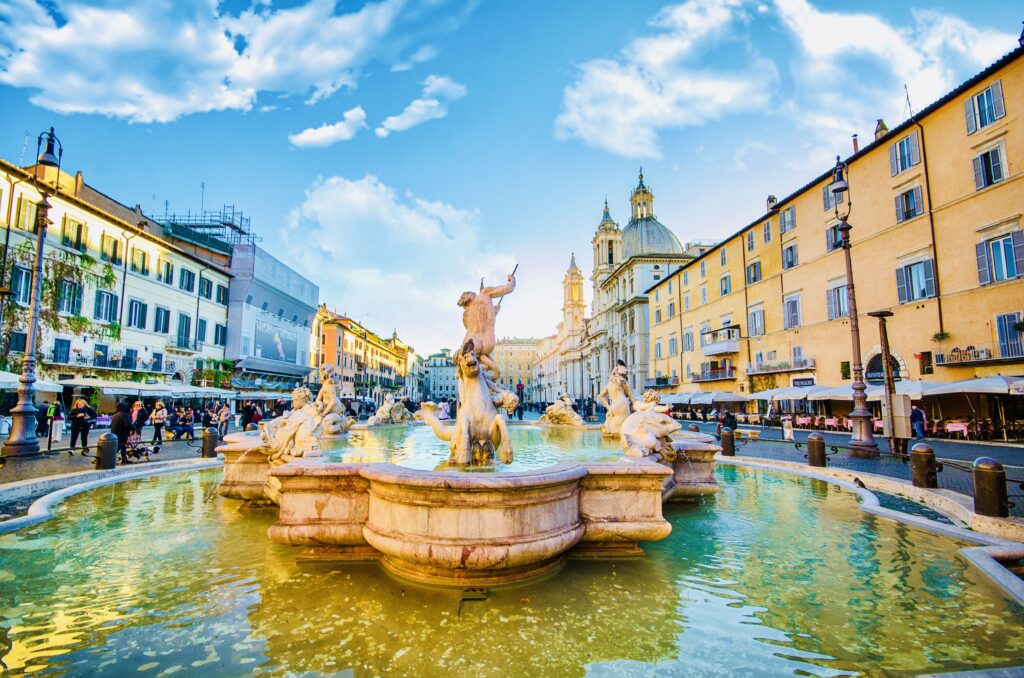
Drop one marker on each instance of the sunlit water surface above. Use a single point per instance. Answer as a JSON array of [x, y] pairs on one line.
[[777, 575]]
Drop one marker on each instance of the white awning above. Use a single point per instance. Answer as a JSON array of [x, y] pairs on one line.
[[718, 397], [915, 388], [995, 385], [9, 381], [140, 389]]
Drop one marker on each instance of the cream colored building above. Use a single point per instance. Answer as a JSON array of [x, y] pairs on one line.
[[440, 370], [119, 301], [515, 359]]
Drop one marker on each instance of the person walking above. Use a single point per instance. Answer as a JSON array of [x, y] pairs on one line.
[[121, 426], [247, 414], [223, 417], [159, 419], [139, 415], [82, 418], [42, 419], [917, 421]]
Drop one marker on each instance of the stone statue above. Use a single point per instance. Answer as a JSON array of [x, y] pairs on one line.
[[561, 413], [647, 430], [478, 314], [297, 432], [334, 418], [480, 429], [616, 398], [390, 412]]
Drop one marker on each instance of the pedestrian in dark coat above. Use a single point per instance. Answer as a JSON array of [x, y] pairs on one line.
[[121, 426], [82, 418]]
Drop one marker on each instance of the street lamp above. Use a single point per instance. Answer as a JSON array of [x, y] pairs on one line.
[[890, 384], [862, 443], [22, 440]]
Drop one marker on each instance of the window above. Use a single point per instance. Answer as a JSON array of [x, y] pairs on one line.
[[105, 307], [130, 358], [657, 296], [25, 216], [657, 315], [925, 363], [833, 238], [73, 234], [988, 168], [673, 346], [187, 280], [904, 154], [830, 199], [686, 301], [158, 362], [689, 374], [264, 306], [70, 300], [669, 287], [222, 294], [703, 294], [1010, 344], [750, 240], [909, 205], [140, 261], [838, 302], [136, 314], [755, 322], [766, 231], [21, 285], [165, 271], [205, 287], [657, 350], [983, 109], [753, 272], [686, 277], [162, 322], [1001, 258], [915, 281], [724, 285], [787, 219], [201, 329], [184, 330], [688, 339], [671, 309], [789, 257], [703, 268], [110, 250], [18, 341], [722, 257], [791, 311]]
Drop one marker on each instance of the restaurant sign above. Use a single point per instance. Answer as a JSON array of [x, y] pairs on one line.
[[874, 371], [808, 381]]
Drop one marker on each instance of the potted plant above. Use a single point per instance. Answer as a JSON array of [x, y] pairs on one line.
[[1019, 326], [940, 336]]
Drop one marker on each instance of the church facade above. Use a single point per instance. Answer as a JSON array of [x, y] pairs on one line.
[[578, 358]]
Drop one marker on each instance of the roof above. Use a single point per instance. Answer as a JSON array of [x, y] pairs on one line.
[[995, 67], [647, 235]]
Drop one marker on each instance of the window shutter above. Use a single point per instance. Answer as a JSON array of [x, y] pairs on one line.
[[997, 99], [830, 303], [1018, 251], [915, 149], [972, 126], [829, 244], [901, 285], [142, 316], [78, 300], [97, 308], [894, 163], [757, 270], [981, 254], [795, 260], [918, 203], [979, 177], [929, 278], [899, 209], [997, 168], [825, 197], [112, 311], [16, 282], [65, 231]]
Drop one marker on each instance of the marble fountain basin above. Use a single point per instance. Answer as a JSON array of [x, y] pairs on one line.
[[465, 529]]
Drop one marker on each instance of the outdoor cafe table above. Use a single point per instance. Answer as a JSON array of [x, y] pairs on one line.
[[832, 422], [804, 421], [958, 426], [879, 425]]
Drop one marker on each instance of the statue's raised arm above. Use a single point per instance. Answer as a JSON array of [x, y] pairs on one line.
[[500, 290]]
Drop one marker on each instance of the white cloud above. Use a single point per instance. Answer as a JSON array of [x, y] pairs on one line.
[[438, 92], [400, 259], [420, 56], [622, 104], [328, 135], [159, 60], [743, 151]]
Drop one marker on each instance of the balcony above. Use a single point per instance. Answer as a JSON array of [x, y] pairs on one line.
[[116, 361], [184, 345], [1010, 352], [721, 341], [796, 365], [661, 382], [722, 374]]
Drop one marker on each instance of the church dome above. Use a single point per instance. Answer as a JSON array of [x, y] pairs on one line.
[[647, 235]]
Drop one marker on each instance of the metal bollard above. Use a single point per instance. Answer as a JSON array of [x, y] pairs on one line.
[[693, 428], [728, 443], [990, 488], [210, 440], [106, 451], [923, 470], [816, 450], [252, 427]]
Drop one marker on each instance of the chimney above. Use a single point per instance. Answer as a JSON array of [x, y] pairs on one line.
[[880, 129], [79, 182], [856, 144], [772, 200]]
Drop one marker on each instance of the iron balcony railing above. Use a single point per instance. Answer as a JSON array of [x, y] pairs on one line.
[[662, 382], [1010, 351], [795, 365], [716, 375]]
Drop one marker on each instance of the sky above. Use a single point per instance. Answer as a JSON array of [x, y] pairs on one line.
[[396, 151]]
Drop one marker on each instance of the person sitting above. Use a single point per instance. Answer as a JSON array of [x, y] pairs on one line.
[[186, 424]]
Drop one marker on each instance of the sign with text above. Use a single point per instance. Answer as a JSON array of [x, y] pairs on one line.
[[874, 371], [275, 343]]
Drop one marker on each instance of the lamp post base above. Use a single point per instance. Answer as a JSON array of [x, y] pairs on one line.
[[22, 441], [862, 450]]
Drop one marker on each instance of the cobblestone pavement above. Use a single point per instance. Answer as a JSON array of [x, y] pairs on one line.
[[59, 461]]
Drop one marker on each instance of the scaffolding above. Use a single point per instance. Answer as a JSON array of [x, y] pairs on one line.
[[228, 226]]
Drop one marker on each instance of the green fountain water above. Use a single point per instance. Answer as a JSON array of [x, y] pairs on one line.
[[775, 575]]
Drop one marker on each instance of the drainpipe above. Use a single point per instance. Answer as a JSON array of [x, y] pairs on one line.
[[931, 226], [199, 296], [679, 313], [124, 278]]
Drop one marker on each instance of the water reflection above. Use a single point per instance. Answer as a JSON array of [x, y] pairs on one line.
[[780, 575]]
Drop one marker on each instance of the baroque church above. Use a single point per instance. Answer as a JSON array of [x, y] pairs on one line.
[[579, 357]]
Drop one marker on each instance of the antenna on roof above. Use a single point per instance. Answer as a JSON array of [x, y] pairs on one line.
[[910, 109], [24, 147], [202, 197]]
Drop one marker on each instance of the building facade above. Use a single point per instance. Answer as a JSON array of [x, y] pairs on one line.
[[119, 301], [440, 371], [515, 359], [936, 239]]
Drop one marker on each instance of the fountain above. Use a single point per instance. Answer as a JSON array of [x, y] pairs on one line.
[[616, 398], [390, 412], [561, 413]]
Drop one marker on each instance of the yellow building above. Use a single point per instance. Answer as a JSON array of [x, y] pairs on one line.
[[936, 239], [515, 359]]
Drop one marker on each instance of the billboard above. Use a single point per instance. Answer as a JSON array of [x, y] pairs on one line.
[[274, 343]]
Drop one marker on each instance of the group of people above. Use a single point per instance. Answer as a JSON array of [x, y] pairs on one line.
[[128, 422]]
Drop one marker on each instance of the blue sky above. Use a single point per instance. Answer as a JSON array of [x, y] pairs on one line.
[[396, 151]]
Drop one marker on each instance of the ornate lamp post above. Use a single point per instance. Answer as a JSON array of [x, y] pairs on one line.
[[862, 443], [22, 441]]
